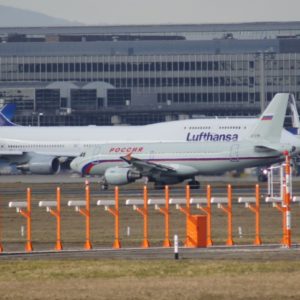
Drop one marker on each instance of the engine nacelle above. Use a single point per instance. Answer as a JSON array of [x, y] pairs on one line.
[[41, 164], [7, 168], [119, 176]]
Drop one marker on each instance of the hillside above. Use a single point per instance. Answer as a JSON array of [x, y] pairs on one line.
[[15, 17]]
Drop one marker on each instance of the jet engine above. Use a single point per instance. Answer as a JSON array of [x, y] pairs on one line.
[[41, 164], [7, 168], [119, 176]]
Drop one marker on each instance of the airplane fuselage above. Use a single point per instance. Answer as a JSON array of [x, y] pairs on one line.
[[71, 141], [187, 158]]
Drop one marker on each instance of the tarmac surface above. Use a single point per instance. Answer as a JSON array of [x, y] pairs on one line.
[[246, 252]]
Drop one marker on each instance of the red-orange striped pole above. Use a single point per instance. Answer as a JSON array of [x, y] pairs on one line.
[[165, 211], [117, 243], [28, 247], [187, 212], [86, 213], [145, 243], [58, 245], [208, 210], [229, 211]]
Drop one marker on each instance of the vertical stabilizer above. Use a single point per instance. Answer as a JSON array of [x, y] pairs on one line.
[[4, 121], [270, 124]]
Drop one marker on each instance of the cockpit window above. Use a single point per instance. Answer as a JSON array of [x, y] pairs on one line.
[[82, 154]]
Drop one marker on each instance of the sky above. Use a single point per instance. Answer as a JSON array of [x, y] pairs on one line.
[[98, 12]]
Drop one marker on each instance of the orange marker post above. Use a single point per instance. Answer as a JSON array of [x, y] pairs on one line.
[[27, 215], [165, 212], [86, 213], [144, 212], [228, 210], [187, 211], [56, 214], [281, 209], [207, 211], [256, 209], [115, 212]]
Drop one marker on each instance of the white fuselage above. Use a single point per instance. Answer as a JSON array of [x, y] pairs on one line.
[[71, 141], [186, 158]]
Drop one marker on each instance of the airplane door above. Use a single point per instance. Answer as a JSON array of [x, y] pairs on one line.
[[152, 154], [234, 152]]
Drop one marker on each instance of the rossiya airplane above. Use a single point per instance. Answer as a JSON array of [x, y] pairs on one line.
[[41, 150], [209, 147]]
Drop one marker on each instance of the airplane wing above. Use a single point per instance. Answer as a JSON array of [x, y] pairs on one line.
[[147, 167]]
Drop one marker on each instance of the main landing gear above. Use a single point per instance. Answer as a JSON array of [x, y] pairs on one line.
[[194, 184], [159, 185]]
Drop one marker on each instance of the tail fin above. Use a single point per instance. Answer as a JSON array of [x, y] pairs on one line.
[[270, 124], [4, 121], [8, 110]]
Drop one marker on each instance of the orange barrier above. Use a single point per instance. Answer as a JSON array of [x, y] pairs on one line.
[[256, 210], [196, 225], [197, 231], [281, 209], [228, 210], [165, 212], [86, 213], [115, 212], [27, 214], [144, 212], [187, 211], [198, 228], [56, 214], [280, 206], [207, 211]]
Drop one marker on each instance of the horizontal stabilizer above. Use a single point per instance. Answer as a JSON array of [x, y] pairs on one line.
[[266, 147]]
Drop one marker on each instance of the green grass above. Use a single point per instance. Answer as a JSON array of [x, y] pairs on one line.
[[56, 269]]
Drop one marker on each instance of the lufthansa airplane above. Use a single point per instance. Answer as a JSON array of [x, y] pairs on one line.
[[40, 150], [208, 147]]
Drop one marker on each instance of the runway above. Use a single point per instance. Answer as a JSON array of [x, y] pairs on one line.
[[246, 252], [73, 183]]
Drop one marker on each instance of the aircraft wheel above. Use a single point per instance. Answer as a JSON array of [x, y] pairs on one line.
[[262, 178], [159, 185], [104, 187], [194, 184]]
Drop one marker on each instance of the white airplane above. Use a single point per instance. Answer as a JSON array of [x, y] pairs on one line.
[[210, 146], [40, 150]]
